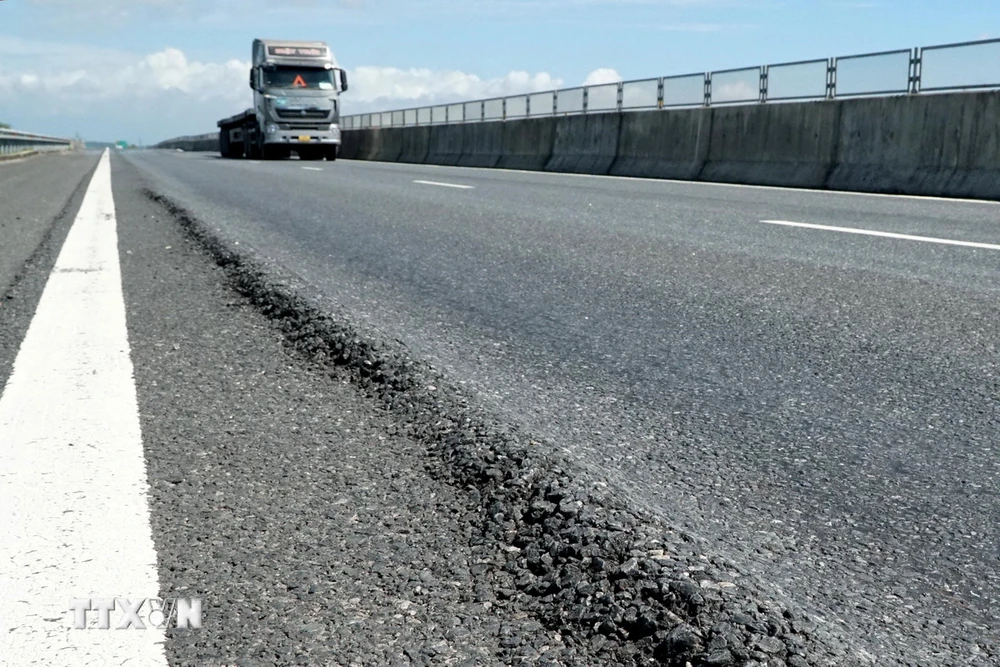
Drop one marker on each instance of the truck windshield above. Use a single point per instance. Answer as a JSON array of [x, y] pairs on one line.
[[297, 77]]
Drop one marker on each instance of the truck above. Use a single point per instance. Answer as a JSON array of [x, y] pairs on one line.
[[296, 96]]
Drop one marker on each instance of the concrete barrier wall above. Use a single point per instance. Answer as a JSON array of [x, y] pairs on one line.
[[773, 144], [350, 145], [938, 144], [585, 144], [383, 144], [202, 142], [416, 144], [527, 144], [445, 145], [663, 144], [482, 144], [943, 145]]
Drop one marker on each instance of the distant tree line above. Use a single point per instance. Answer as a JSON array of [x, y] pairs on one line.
[[4, 126]]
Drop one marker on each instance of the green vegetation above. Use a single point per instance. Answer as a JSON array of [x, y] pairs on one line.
[[4, 126]]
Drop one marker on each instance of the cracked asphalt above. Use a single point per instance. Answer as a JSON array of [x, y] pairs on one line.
[[815, 411]]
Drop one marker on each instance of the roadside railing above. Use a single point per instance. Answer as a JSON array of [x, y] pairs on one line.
[[13, 142], [947, 67], [199, 142]]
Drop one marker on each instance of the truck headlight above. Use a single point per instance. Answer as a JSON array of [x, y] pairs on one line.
[[335, 131], [272, 128]]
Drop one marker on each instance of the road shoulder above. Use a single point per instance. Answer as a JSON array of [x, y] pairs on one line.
[[304, 517]]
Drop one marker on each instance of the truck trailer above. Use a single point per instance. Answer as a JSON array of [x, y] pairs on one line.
[[296, 95]]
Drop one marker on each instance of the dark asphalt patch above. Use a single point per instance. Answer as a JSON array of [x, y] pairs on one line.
[[302, 514], [613, 581]]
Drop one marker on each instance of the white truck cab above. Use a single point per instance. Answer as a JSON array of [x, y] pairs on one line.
[[297, 88]]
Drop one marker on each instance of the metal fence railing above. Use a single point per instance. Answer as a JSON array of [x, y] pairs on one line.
[[964, 66], [13, 142]]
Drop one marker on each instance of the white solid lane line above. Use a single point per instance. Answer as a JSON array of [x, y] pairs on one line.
[[313, 168], [888, 235], [446, 185], [73, 489]]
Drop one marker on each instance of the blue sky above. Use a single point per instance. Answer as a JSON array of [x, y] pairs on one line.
[[150, 69]]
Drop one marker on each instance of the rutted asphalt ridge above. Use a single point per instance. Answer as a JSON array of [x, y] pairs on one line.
[[604, 574], [817, 405], [284, 499]]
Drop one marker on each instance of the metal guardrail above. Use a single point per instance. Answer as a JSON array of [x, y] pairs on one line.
[[963, 66], [13, 142]]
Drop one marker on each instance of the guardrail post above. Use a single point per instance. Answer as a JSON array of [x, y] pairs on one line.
[[503, 114], [586, 97], [659, 93], [708, 89], [621, 96], [555, 102], [764, 70], [482, 111], [831, 78], [916, 70], [527, 106]]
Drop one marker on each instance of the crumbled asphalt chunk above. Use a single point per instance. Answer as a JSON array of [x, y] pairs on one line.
[[279, 496], [614, 583]]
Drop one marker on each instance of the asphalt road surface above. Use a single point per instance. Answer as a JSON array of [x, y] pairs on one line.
[[806, 380]]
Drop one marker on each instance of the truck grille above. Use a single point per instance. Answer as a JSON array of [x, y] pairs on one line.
[[303, 114]]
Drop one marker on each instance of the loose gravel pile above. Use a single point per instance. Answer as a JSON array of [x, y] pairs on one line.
[[616, 584]]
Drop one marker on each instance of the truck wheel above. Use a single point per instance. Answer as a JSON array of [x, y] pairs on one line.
[[251, 143], [332, 153], [224, 149]]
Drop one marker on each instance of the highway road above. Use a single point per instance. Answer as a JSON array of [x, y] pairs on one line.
[[804, 382]]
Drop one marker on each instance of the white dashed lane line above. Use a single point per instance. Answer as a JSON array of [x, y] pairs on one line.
[[445, 185], [888, 235]]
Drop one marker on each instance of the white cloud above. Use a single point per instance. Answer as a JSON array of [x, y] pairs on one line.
[[167, 93], [601, 76], [378, 88], [87, 76]]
